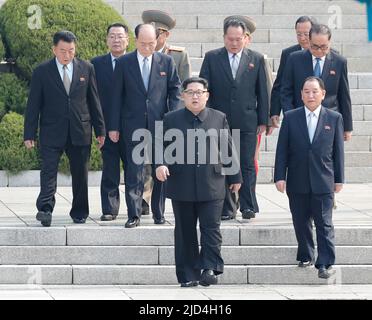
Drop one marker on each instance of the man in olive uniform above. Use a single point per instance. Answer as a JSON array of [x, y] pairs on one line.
[[163, 23]]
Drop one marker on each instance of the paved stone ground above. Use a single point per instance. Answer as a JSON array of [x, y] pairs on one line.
[[220, 292], [17, 208]]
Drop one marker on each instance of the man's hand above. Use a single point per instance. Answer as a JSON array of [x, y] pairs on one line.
[[347, 135], [235, 187], [275, 121], [338, 187], [114, 136], [162, 173], [29, 144], [261, 129], [269, 130], [101, 141], [280, 186]]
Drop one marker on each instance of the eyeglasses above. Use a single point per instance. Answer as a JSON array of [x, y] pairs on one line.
[[191, 93], [324, 47], [117, 36], [240, 39], [302, 34]]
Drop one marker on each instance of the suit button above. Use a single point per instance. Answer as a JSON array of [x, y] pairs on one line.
[[198, 165]]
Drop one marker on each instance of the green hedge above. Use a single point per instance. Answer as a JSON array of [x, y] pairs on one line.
[[2, 49], [95, 163], [13, 94], [14, 157], [88, 19]]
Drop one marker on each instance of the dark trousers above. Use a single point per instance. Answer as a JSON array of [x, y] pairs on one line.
[[112, 153], [189, 261], [317, 207], [247, 192], [134, 184], [79, 160]]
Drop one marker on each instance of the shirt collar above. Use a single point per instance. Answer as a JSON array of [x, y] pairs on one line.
[[316, 111], [201, 116], [239, 54], [60, 66], [114, 58], [321, 59], [140, 58]]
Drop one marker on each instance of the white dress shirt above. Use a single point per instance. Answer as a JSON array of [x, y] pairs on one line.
[[315, 120], [140, 61], [321, 63], [69, 69]]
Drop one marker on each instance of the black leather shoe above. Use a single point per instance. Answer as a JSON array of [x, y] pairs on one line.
[[324, 273], [189, 284], [145, 208], [305, 264], [159, 221], [79, 220], [45, 217], [132, 223], [227, 217], [108, 217], [248, 214], [207, 278]]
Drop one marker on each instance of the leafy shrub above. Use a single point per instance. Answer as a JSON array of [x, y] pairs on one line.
[[14, 157], [30, 42], [2, 49], [95, 163], [13, 94]]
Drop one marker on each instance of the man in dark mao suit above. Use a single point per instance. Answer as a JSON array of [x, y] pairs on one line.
[[146, 86], [112, 153], [325, 63], [64, 99], [309, 165], [238, 88], [197, 189]]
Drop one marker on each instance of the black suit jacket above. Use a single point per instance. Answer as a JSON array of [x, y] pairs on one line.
[[133, 107], [334, 75], [310, 167], [104, 76], [199, 182], [61, 114], [245, 100], [276, 107]]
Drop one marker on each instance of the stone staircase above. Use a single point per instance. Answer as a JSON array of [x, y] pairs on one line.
[[258, 252], [114, 255]]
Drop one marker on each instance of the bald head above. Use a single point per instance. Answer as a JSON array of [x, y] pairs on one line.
[[145, 39]]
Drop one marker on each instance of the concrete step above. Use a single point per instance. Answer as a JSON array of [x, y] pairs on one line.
[[165, 275], [164, 236], [352, 159], [258, 7], [352, 175], [164, 255], [360, 128], [354, 65], [201, 20], [357, 143], [350, 36]]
